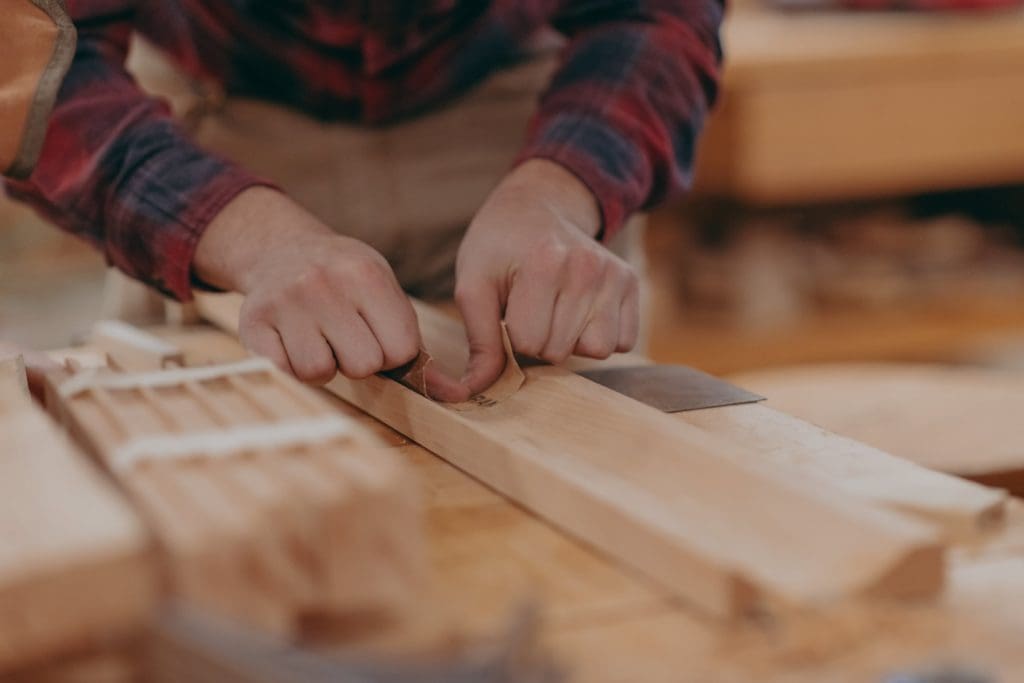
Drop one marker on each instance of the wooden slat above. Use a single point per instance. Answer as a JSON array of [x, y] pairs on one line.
[[133, 350], [960, 420], [653, 492], [76, 567], [961, 508]]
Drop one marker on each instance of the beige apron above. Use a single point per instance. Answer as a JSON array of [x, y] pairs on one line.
[[409, 190]]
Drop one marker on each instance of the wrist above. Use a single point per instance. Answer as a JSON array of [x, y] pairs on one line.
[[252, 225], [560, 190]]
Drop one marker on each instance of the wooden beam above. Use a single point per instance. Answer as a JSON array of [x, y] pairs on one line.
[[269, 504], [963, 509], [76, 564], [960, 420], [728, 534]]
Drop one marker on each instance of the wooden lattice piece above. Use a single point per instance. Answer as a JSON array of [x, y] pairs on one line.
[[270, 504], [76, 563]]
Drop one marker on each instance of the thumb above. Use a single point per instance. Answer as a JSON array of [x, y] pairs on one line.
[[480, 306]]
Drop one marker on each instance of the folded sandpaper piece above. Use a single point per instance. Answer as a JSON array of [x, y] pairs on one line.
[[414, 375], [671, 388]]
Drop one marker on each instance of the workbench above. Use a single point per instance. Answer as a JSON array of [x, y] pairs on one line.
[[607, 624], [838, 105]]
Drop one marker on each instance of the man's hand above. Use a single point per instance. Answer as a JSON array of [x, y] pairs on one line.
[[530, 256], [315, 301]]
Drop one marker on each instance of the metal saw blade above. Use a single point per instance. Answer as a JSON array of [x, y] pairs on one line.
[[671, 388]]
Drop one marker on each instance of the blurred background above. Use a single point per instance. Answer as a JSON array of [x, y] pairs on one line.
[[859, 196]]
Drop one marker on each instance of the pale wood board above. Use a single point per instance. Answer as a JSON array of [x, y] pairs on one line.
[[965, 421], [961, 508], [76, 564], [610, 625], [727, 534], [269, 534]]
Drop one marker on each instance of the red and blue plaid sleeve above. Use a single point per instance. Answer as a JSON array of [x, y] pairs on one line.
[[116, 170], [624, 110]]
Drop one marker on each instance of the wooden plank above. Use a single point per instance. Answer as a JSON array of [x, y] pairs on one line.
[[964, 421], [76, 564], [962, 509], [728, 536], [270, 505], [610, 625]]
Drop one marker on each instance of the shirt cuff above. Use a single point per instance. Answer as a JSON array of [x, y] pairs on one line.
[[176, 278], [614, 169]]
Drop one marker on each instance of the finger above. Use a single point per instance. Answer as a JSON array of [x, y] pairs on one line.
[[309, 354], [480, 306], [263, 340], [441, 387], [528, 315], [356, 348], [572, 309], [629, 321], [393, 323], [601, 335]]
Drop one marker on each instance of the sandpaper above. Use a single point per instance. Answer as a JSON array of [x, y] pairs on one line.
[[414, 376]]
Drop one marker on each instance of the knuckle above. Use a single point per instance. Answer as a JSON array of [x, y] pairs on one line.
[[311, 280], [550, 254], [596, 348], [315, 374], [587, 264], [363, 366], [554, 355], [367, 270]]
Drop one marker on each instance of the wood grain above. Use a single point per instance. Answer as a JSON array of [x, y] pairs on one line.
[[964, 421], [268, 531], [611, 625], [963, 510], [727, 535], [76, 564]]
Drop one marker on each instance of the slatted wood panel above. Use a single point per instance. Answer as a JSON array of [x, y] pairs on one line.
[[76, 564], [265, 531]]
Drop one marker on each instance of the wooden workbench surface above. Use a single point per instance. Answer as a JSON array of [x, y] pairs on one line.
[[609, 625]]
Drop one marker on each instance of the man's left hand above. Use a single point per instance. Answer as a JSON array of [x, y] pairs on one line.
[[530, 257]]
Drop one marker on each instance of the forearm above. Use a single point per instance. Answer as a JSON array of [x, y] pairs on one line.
[[625, 108], [257, 222], [116, 170]]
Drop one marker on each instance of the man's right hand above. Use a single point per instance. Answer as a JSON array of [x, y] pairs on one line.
[[316, 301]]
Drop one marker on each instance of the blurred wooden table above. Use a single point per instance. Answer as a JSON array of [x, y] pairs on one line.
[[838, 105], [610, 626]]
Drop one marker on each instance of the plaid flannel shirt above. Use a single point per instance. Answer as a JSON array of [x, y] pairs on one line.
[[622, 112]]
